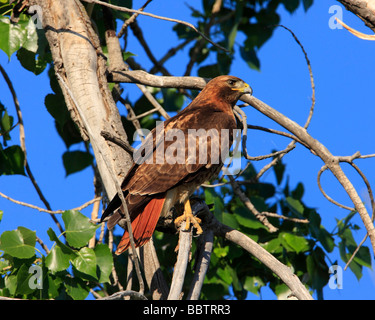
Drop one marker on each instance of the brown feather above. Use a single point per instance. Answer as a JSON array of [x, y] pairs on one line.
[[143, 225]]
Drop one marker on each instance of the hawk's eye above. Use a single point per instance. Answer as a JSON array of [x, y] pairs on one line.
[[232, 82]]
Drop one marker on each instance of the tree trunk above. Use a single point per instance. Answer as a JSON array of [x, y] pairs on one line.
[[80, 67]]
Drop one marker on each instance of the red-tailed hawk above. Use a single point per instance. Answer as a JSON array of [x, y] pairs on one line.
[[176, 159]]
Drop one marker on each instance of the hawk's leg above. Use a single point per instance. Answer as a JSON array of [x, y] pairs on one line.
[[189, 218]]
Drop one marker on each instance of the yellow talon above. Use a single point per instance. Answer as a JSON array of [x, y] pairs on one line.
[[188, 217]]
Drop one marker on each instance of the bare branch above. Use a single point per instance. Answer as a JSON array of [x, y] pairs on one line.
[[124, 9], [131, 19], [204, 248], [261, 217], [108, 136], [324, 168], [184, 246], [23, 147], [49, 211]]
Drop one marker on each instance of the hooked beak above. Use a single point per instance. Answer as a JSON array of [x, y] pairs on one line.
[[244, 89]]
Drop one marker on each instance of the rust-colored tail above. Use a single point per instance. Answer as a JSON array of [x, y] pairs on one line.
[[143, 225]]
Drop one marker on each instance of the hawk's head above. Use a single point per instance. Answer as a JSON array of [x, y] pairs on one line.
[[227, 88]]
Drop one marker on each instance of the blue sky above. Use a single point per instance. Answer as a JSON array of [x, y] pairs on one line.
[[343, 68]]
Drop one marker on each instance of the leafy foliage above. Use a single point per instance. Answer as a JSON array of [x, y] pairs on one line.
[[70, 268], [68, 271]]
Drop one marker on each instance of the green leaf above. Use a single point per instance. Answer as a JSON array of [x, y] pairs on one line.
[[15, 36], [212, 197], [6, 123], [209, 71], [127, 54], [279, 169], [298, 192], [60, 255], [273, 246], [247, 219], [225, 275], [85, 262], [290, 5], [363, 257], [75, 161], [78, 228], [307, 4], [317, 269], [173, 100], [293, 242], [12, 161], [57, 260], [253, 284], [31, 61], [264, 190], [57, 108], [295, 206], [326, 239], [221, 252], [19, 243], [76, 288], [11, 283], [250, 57], [104, 260], [23, 277], [230, 220]]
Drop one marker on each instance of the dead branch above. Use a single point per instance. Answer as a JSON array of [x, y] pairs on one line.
[[204, 250], [124, 9], [184, 246]]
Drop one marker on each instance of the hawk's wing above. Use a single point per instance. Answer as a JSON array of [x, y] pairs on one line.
[[180, 161]]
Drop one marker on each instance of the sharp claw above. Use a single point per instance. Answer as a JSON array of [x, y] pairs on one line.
[[188, 217]]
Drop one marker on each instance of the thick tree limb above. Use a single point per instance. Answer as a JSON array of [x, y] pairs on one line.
[[204, 248], [364, 9], [184, 246]]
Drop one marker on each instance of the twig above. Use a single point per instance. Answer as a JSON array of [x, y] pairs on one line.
[[49, 211], [184, 246], [310, 73], [153, 101], [23, 147], [324, 168], [281, 133], [124, 9], [108, 136], [262, 218], [95, 209], [280, 216], [243, 118], [45, 248], [131, 20], [171, 52], [137, 31]]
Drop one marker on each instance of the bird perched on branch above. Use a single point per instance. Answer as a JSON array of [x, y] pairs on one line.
[[176, 158]]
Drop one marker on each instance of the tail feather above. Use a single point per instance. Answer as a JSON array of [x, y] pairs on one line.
[[143, 225]]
